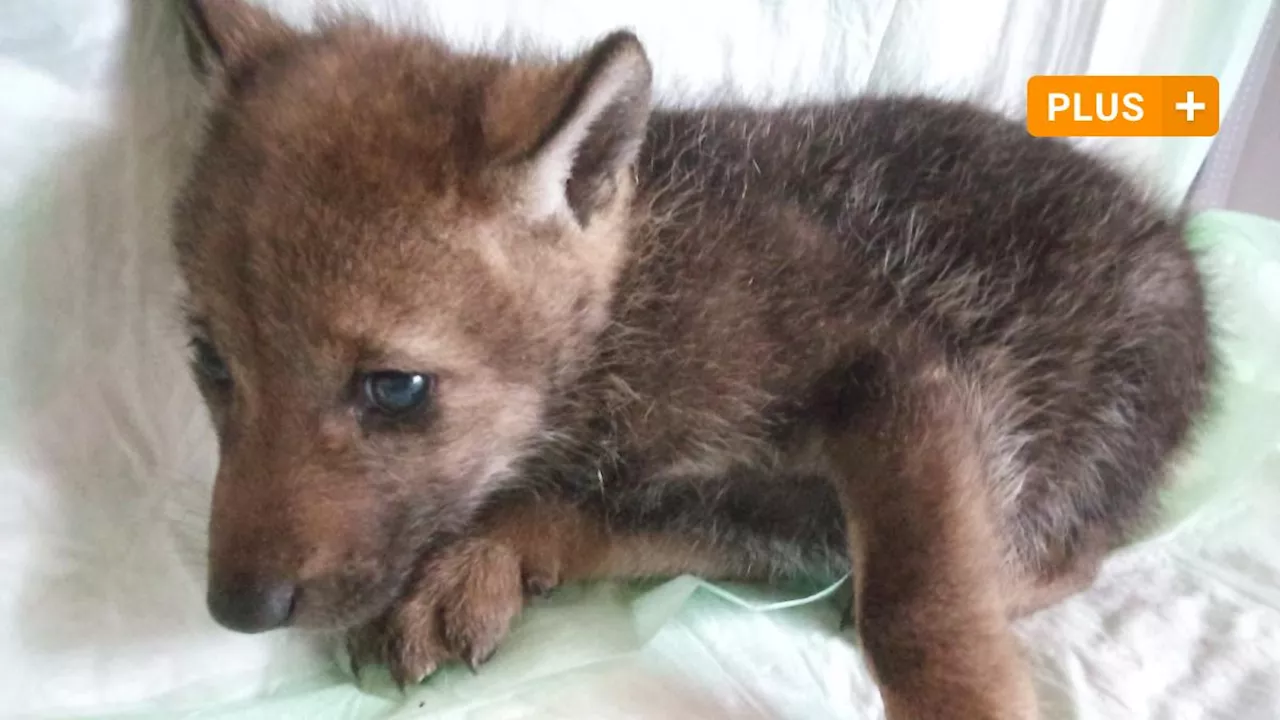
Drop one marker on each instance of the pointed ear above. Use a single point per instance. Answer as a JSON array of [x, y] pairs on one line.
[[228, 34], [593, 139]]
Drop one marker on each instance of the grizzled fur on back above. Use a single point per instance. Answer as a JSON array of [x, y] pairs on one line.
[[777, 253], [894, 333]]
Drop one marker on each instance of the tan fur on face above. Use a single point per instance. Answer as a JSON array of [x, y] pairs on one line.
[[357, 209]]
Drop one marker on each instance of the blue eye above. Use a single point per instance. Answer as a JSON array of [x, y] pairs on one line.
[[208, 364], [397, 393]]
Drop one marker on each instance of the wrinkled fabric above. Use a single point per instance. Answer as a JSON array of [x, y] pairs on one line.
[[106, 456]]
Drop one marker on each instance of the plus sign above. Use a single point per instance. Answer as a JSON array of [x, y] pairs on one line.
[[1189, 106]]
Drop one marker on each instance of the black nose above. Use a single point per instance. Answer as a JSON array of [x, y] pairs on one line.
[[251, 605]]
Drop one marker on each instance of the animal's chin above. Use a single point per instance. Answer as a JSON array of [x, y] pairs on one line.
[[353, 599], [346, 618], [357, 597], [346, 611]]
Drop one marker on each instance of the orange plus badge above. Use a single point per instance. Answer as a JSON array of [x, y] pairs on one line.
[[1122, 105]]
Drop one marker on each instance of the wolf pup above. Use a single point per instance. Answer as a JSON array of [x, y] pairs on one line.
[[471, 327]]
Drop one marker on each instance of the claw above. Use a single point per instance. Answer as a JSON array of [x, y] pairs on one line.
[[539, 587], [846, 618], [400, 673], [425, 673], [398, 676], [475, 660], [354, 661], [392, 657]]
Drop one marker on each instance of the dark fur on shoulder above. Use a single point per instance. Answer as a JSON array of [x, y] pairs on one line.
[[897, 333]]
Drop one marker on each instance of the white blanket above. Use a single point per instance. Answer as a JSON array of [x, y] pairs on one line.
[[106, 456]]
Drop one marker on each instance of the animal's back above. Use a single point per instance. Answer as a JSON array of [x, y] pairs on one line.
[[780, 245]]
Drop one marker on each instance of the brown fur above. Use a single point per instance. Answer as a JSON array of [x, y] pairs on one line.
[[461, 602], [897, 334]]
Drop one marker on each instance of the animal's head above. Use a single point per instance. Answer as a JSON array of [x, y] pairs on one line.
[[391, 250]]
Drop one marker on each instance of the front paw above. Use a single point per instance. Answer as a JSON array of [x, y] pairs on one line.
[[460, 608]]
